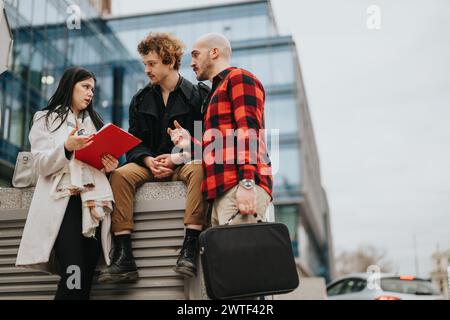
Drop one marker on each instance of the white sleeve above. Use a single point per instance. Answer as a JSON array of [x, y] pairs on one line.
[[48, 158]]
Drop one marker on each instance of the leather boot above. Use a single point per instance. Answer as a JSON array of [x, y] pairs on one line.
[[123, 267], [187, 260]]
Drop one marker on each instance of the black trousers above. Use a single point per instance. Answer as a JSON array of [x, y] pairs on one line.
[[76, 254]]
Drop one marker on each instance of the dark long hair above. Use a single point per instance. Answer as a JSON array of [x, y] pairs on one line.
[[61, 101]]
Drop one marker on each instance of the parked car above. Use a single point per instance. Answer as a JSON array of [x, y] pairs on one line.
[[367, 286]]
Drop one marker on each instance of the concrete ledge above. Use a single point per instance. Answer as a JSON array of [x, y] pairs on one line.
[[16, 199], [151, 197], [161, 196], [13, 199]]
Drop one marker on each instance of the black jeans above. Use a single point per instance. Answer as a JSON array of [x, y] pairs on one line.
[[76, 254]]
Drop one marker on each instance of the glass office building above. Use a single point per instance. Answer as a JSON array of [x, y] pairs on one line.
[[47, 40], [44, 46]]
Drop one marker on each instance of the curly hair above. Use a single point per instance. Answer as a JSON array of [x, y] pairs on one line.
[[169, 48]]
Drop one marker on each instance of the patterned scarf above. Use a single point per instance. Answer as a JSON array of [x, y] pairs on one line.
[[78, 178]]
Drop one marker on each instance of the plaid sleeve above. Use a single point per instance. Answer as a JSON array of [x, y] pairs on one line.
[[247, 98]]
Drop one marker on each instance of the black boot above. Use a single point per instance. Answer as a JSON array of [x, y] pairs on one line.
[[123, 267], [187, 260]]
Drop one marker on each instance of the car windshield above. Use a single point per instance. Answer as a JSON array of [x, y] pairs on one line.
[[419, 287]]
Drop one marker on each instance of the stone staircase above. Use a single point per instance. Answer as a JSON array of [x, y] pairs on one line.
[[158, 236]]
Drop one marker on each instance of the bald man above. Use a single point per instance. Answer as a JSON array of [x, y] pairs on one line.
[[244, 183]]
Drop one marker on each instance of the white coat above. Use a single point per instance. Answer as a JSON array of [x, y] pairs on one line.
[[46, 214]]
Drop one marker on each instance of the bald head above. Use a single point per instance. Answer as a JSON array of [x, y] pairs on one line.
[[210, 55], [216, 41]]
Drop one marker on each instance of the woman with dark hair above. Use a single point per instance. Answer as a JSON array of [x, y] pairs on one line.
[[68, 222]]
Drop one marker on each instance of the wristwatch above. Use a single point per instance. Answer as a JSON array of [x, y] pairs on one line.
[[247, 184]]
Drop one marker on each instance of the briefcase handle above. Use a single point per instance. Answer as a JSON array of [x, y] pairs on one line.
[[236, 214]]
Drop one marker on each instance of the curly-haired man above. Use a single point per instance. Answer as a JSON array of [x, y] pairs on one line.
[[166, 99]]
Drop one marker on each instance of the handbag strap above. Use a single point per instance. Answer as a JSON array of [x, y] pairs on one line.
[[236, 214]]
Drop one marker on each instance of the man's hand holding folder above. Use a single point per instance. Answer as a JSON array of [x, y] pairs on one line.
[[110, 140]]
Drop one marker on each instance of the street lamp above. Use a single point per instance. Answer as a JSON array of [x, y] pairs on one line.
[[6, 40]]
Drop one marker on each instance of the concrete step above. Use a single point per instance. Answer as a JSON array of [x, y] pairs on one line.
[[5, 271], [144, 216], [137, 235], [7, 261], [168, 293], [156, 252], [10, 243], [10, 233], [8, 225], [159, 225], [160, 282], [29, 288], [157, 243], [9, 251], [155, 272], [27, 296], [156, 262], [28, 279]]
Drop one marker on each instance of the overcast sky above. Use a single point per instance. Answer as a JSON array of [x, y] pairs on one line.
[[380, 105]]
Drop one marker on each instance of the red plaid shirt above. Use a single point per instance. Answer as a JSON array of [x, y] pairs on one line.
[[235, 113]]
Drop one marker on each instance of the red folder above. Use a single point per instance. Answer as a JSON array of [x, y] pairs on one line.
[[109, 139]]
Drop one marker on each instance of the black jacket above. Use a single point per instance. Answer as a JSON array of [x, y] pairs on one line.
[[145, 122]]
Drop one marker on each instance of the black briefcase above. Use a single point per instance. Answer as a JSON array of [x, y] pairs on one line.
[[247, 260]]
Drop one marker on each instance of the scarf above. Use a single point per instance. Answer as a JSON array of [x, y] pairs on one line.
[[78, 178]]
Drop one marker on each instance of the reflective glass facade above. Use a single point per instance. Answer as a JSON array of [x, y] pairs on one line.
[[44, 46]]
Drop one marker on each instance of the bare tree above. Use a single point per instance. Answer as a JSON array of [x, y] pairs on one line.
[[361, 259]]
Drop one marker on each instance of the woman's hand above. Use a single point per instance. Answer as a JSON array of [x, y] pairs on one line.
[[75, 143], [110, 163]]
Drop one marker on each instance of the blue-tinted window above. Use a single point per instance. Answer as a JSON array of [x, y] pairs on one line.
[[281, 113], [273, 66], [286, 176], [239, 23]]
